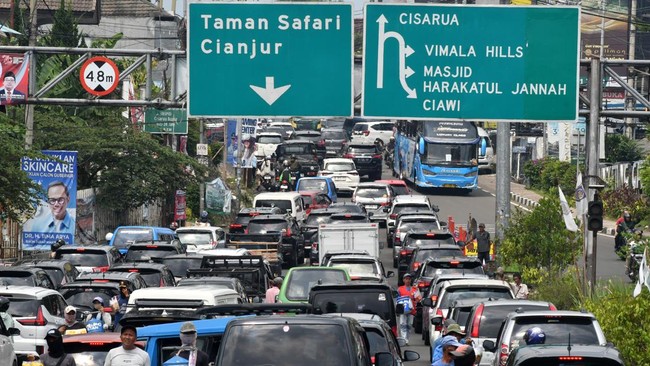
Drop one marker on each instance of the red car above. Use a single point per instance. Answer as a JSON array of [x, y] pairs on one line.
[[91, 348], [399, 186], [315, 199]]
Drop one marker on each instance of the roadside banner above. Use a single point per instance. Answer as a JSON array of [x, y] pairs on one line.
[[180, 203], [14, 71], [581, 198], [217, 196], [566, 213], [55, 215], [644, 275]]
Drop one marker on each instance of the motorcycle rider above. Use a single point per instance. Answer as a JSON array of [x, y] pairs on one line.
[[623, 226], [286, 174], [295, 165], [266, 168]]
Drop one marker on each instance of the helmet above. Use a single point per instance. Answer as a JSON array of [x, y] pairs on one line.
[[293, 156], [4, 304], [626, 214], [535, 335], [204, 214], [286, 162]]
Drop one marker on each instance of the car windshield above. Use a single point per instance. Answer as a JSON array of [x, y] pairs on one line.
[[333, 135], [179, 266], [356, 268], [313, 137], [493, 316], [83, 297], [339, 166], [55, 274], [90, 356], [148, 252], [399, 189], [411, 207], [423, 254], [266, 226], [283, 204], [367, 302], [370, 149], [557, 329], [450, 268], [195, 237], [85, 258], [319, 185], [299, 149], [377, 341], [317, 219], [294, 345], [150, 276], [371, 192], [360, 127], [301, 282], [406, 226], [276, 140], [462, 293], [23, 307], [126, 236], [448, 154], [17, 278]]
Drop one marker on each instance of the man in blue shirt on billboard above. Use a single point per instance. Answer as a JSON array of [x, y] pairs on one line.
[[58, 220]]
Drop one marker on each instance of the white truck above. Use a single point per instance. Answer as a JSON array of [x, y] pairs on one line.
[[344, 237]]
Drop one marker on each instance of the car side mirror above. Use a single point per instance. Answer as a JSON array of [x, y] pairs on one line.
[[435, 208], [411, 356], [386, 209], [14, 331], [436, 321], [384, 359], [390, 274], [489, 345], [371, 214], [399, 308], [427, 302]]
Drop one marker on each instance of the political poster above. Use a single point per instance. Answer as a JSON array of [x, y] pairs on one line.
[[180, 203], [55, 214], [14, 71]]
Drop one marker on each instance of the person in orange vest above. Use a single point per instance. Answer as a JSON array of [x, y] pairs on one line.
[[409, 296]]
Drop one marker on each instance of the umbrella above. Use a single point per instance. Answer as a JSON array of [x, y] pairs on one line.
[[4, 29]]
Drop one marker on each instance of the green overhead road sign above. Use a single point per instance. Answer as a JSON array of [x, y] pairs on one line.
[[509, 63], [270, 60], [166, 121]]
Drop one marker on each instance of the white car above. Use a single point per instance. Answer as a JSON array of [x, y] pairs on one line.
[[35, 310], [286, 127], [266, 143], [378, 132], [196, 238], [343, 173]]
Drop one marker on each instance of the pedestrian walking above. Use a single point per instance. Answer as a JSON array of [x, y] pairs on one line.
[[274, 291], [409, 296], [482, 238], [127, 354]]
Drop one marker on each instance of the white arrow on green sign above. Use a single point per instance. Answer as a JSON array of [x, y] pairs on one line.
[[270, 60], [442, 62]]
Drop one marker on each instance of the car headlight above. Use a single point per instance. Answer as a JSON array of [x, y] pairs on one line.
[[428, 172], [470, 174]]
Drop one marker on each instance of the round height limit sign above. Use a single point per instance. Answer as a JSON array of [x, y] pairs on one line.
[[99, 76]]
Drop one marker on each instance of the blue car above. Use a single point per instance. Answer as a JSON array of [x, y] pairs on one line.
[[161, 339], [320, 184], [124, 236]]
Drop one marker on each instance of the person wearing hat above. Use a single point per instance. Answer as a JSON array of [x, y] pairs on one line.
[[482, 238], [99, 320], [194, 356], [500, 274], [452, 329], [72, 326], [449, 344], [127, 353], [274, 291], [120, 301], [55, 355], [464, 355], [410, 293]]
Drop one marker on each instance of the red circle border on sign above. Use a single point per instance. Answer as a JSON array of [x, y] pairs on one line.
[[103, 59]]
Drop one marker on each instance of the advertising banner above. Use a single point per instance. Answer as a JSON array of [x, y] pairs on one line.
[[14, 70], [55, 215], [231, 141], [179, 206], [217, 197]]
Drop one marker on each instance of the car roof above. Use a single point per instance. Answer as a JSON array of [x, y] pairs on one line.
[[128, 265], [351, 286], [269, 134], [268, 217], [375, 184], [21, 268], [524, 353], [353, 258], [453, 276], [470, 282], [302, 319], [332, 253], [225, 251], [554, 313], [337, 160], [414, 218], [411, 198], [437, 246], [362, 145], [108, 275], [32, 291], [393, 182], [514, 302], [277, 195], [106, 337], [198, 228], [183, 292], [206, 326], [80, 248], [42, 263], [454, 258], [297, 142], [307, 132]]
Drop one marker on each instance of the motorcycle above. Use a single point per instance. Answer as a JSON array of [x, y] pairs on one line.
[[284, 186], [267, 182], [634, 257], [388, 156]]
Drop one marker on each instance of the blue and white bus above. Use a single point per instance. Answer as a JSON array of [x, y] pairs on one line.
[[436, 154]]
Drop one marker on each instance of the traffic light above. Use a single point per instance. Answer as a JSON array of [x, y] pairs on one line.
[[595, 215]]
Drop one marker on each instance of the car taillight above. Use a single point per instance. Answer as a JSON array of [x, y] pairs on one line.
[[416, 265], [403, 252], [246, 231], [100, 269], [38, 321], [372, 360], [152, 246], [552, 307], [213, 244], [235, 226], [503, 355], [394, 329], [314, 246], [454, 263], [477, 321], [423, 284], [287, 232], [377, 156], [393, 216], [434, 298], [96, 343], [439, 313], [134, 270], [348, 156], [397, 239], [366, 132], [81, 249], [384, 204], [161, 284], [570, 358], [101, 281]]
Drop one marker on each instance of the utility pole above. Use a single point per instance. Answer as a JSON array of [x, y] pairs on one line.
[[503, 179], [31, 87], [630, 102], [202, 184], [238, 164]]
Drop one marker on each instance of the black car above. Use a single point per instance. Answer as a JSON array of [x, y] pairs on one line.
[[178, 264], [25, 276], [416, 251], [316, 138], [367, 159], [305, 153], [335, 141], [60, 271], [95, 258], [246, 214], [144, 252], [154, 274], [292, 248]]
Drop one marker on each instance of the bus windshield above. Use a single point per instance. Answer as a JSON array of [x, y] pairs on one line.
[[448, 154]]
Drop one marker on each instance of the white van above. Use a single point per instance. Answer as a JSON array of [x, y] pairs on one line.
[[289, 201], [189, 297], [196, 238], [486, 158]]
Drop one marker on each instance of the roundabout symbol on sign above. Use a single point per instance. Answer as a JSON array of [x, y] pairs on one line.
[[99, 76]]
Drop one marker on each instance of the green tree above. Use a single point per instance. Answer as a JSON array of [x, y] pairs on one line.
[[538, 241], [621, 148], [65, 32]]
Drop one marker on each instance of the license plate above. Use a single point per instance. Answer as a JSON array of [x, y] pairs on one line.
[[449, 185], [372, 207], [364, 160], [340, 178]]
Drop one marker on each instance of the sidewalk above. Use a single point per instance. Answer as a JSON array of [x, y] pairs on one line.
[[527, 199]]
